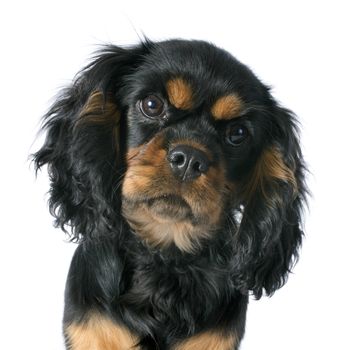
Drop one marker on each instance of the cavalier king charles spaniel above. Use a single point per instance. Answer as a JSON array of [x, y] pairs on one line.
[[182, 180]]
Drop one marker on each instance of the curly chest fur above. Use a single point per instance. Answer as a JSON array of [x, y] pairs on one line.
[[186, 294]]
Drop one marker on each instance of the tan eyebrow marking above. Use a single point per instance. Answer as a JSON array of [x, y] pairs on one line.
[[227, 107], [180, 93]]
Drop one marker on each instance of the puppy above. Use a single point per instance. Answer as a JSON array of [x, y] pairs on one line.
[[182, 180]]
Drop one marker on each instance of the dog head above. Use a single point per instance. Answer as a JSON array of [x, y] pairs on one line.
[[183, 143]]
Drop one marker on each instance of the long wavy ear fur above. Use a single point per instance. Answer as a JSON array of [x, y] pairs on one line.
[[83, 144], [270, 232]]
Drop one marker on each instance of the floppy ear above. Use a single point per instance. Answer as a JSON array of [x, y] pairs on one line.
[[270, 232], [83, 144]]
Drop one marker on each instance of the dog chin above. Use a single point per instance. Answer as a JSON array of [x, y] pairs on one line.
[[170, 208], [166, 220]]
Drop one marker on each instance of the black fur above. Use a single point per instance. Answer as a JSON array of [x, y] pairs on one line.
[[166, 295]]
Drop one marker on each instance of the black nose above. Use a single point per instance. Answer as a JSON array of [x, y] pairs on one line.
[[188, 163]]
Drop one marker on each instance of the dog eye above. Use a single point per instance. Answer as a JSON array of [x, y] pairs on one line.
[[236, 135], [152, 107]]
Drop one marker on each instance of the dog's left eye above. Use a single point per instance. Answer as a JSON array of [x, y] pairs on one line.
[[152, 107]]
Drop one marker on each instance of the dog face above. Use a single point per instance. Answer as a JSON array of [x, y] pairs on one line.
[[193, 135], [183, 142]]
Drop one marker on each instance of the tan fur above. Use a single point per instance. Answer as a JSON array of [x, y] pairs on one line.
[[145, 164], [227, 107], [99, 109], [99, 333], [161, 233], [180, 93], [208, 341], [269, 167]]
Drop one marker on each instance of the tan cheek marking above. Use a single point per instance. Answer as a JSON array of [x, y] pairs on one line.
[[208, 341], [212, 184], [180, 93], [133, 183], [227, 107], [144, 164], [99, 333]]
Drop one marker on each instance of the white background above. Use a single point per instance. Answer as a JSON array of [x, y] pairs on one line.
[[301, 48]]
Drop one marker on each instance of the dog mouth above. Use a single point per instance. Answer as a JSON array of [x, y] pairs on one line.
[[163, 219], [170, 206], [166, 219], [166, 207]]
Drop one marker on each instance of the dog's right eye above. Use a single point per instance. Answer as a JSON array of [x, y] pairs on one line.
[[236, 135], [152, 107]]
